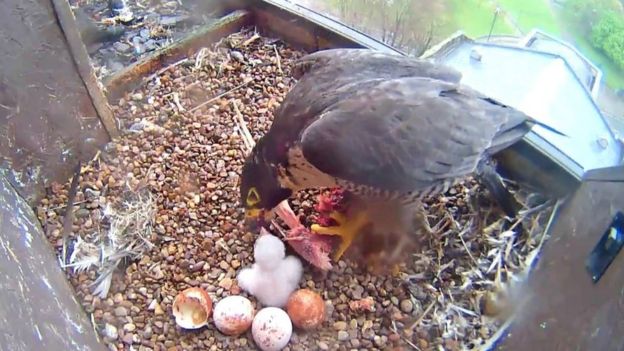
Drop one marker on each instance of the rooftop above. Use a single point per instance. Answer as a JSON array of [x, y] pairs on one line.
[[543, 84]]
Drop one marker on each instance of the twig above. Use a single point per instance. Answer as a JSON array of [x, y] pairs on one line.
[[409, 342], [250, 40], [461, 237], [220, 96], [176, 100], [199, 58], [164, 69], [247, 138], [65, 205], [279, 60], [68, 219], [423, 315]]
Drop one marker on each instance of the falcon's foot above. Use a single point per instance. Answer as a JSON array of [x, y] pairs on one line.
[[347, 228]]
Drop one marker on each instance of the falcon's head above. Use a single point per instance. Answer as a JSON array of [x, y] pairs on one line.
[[260, 190]]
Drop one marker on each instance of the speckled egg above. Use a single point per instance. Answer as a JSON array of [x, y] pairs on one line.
[[233, 315], [271, 329]]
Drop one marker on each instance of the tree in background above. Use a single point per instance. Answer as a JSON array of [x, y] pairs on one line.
[[588, 13], [602, 22], [608, 35], [408, 25]]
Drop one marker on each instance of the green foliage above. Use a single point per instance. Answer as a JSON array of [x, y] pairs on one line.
[[587, 13], [608, 36]]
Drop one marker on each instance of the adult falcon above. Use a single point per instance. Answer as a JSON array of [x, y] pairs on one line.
[[387, 129]]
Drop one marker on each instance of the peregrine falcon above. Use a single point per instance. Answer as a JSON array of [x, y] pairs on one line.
[[388, 129]]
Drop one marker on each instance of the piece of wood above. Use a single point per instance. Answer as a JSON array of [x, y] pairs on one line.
[[134, 75], [566, 310], [310, 30], [38, 310], [47, 119], [81, 58]]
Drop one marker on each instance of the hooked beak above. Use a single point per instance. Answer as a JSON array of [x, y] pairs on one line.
[[257, 218]]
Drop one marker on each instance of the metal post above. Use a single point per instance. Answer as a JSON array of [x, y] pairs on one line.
[[493, 22]]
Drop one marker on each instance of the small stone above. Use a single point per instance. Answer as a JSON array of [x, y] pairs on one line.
[[128, 338], [380, 341], [145, 33], [129, 327], [235, 264], [407, 306], [343, 335], [120, 311], [357, 292], [224, 265], [118, 298], [110, 331], [147, 333], [82, 213], [340, 325], [238, 56], [158, 310], [121, 47], [226, 283], [322, 346]]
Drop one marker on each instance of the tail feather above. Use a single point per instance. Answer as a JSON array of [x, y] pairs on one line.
[[487, 175]]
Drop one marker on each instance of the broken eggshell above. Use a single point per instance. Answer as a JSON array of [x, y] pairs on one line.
[[271, 329], [306, 309], [191, 308], [233, 315]]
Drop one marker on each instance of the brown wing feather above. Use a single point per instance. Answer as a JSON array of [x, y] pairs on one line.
[[407, 134]]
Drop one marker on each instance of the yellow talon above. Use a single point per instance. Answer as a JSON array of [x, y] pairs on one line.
[[347, 229]]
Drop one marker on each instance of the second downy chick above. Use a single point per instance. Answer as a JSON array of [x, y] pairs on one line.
[[273, 277]]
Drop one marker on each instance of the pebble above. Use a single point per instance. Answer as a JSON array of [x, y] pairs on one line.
[[145, 33], [129, 327], [121, 311], [322, 346], [343, 335], [128, 338], [407, 306], [110, 331], [121, 47], [340, 325]]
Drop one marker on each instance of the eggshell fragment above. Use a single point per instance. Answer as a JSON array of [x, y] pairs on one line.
[[191, 308], [306, 309], [233, 315], [271, 329]]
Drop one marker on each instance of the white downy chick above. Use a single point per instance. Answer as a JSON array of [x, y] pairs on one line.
[[273, 277]]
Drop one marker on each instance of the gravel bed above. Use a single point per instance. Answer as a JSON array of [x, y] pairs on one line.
[[158, 212], [143, 27]]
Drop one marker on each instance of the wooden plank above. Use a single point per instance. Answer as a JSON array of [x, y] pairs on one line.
[[81, 58], [47, 120], [609, 174], [38, 310], [135, 74], [566, 311], [310, 30]]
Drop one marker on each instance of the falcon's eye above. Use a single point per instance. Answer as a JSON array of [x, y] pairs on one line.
[[252, 197]]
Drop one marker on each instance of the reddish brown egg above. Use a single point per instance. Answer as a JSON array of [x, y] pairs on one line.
[[306, 309]]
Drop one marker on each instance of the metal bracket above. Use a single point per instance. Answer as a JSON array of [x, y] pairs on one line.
[[607, 248]]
